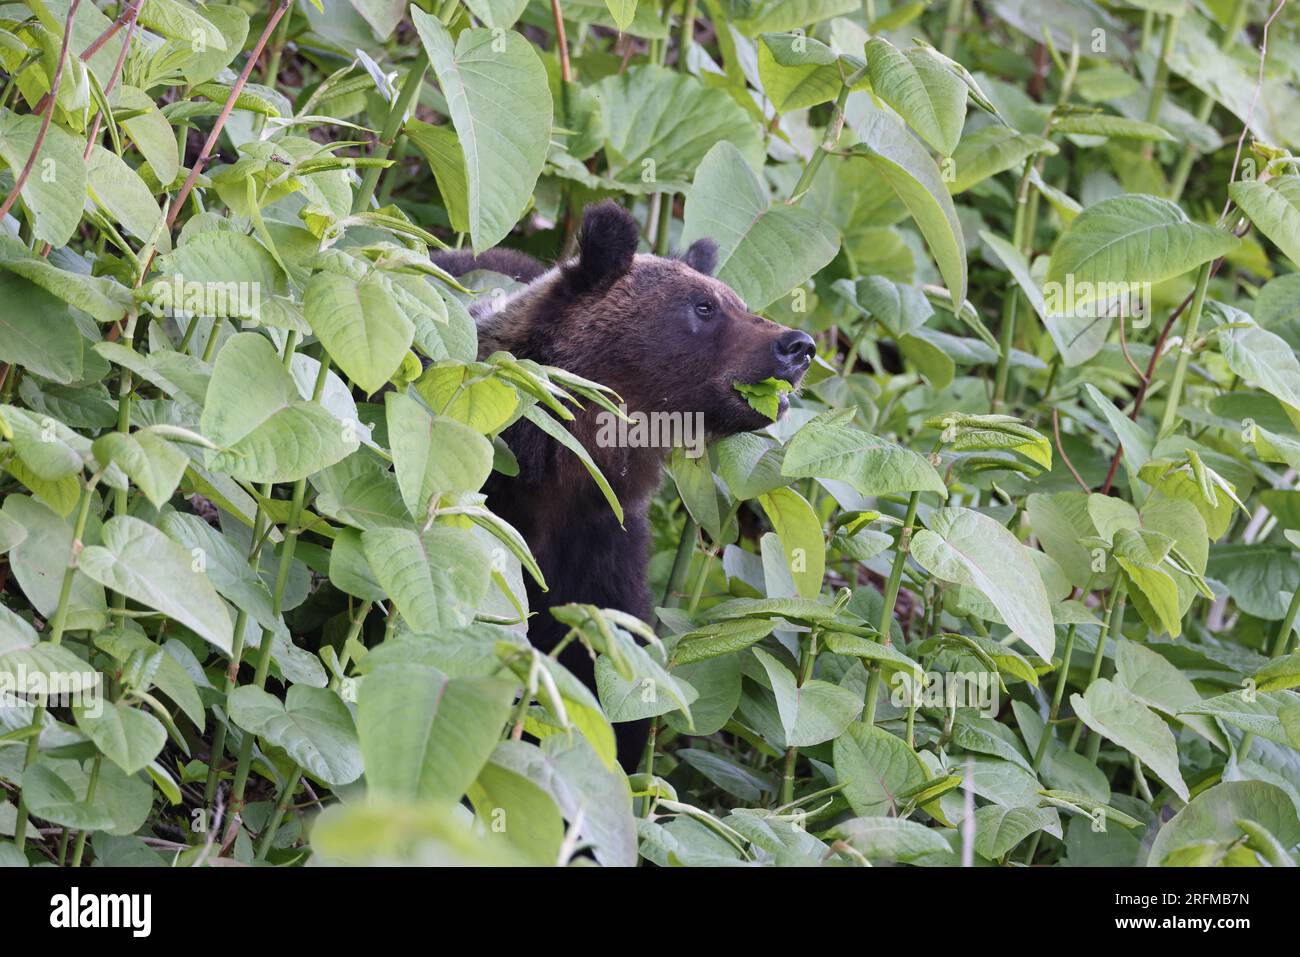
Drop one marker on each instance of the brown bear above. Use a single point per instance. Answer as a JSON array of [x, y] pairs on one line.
[[667, 337]]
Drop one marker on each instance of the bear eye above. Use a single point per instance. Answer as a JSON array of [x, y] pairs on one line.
[[705, 308]]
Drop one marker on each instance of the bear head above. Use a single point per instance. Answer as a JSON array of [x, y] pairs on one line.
[[660, 331]]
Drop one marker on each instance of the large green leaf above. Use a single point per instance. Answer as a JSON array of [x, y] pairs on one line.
[[23, 651], [148, 459], [360, 325], [267, 430], [426, 735], [436, 578], [830, 447], [993, 150], [1264, 360], [433, 454], [660, 124], [127, 736], [312, 724], [501, 107], [875, 767], [1213, 816], [1114, 713], [1273, 206], [38, 562], [100, 296], [42, 336], [969, 548], [1131, 239], [764, 251], [812, 712], [923, 91], [145, 565], [909, 171], [228, 273], [797, 71], [55, 190], [800, 531]]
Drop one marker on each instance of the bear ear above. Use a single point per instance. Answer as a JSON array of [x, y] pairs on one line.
[[702, 256], [606, 247]]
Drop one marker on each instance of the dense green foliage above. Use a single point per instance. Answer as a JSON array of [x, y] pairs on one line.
[[1013, 581]]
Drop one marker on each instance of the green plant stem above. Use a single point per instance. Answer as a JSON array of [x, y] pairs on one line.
[[681, 560], [1236, 21], [277, 51], [1062, 679], [291, 532], [210, 348], [354, 629], [1115, 615], [951, 27], [890, 599], [1161, 83], [392, 125], [829, 139], [80, 847], [1280, 644], [663, 230], [648, 765], [1169, 421], [807, 658], [687, 34], [57, 626], [277, 815]]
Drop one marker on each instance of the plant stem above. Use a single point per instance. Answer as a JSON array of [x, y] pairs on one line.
[[46, 115], [291, 533], [1280, 644], [829, 139], [1058, 693], [687, 35], [277, 815], [681, 560], [210, 144], [561, 42], [663, 231], [951, 27], [1116, 604], [56, 636], [890, 598], [807, 658], [277, 51], [392, 125], [1170, 418], [1161, 83], [354, 629], [1236, 20], [80, 847]]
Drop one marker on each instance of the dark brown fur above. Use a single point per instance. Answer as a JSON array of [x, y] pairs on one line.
[[634, 323]]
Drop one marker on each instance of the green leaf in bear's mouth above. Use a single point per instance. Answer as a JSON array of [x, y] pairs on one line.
[[764, 397]]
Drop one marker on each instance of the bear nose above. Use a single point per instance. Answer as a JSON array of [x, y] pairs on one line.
[[794, 349]]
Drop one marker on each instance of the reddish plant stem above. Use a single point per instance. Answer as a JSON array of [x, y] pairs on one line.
[[561, 42], [127, 17], [197, 169], [1149, 377], [46, 115], [112, 82], [1056, 429], [114, 76]]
